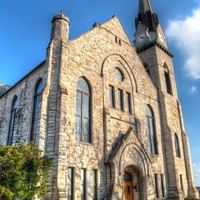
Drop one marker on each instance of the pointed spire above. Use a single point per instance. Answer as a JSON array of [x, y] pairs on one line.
[[146, 16], [144, 6]]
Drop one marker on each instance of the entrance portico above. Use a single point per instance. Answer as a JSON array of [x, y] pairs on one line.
[[130, 166]]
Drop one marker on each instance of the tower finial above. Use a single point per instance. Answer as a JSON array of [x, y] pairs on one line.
[[144, 6], [61, 12]]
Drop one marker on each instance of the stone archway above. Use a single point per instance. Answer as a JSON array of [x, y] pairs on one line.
[[130, 157]]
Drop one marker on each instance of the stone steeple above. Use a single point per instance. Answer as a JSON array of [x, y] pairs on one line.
[[146, 16], [148, 28]]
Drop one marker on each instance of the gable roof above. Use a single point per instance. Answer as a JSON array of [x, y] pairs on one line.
[[113, 26]]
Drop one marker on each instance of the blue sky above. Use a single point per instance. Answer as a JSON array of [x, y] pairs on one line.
[[25, 34]]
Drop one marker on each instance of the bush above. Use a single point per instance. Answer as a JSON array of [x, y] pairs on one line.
[[23, 172]]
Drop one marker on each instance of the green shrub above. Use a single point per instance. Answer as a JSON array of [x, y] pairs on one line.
[[23, 172]]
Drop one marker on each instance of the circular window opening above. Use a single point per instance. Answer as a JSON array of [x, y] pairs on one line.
[[118, 75]]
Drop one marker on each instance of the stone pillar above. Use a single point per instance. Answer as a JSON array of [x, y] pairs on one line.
[[54, 62], [192, 191]]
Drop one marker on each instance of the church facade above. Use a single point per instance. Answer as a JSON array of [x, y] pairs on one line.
[[107, 112]]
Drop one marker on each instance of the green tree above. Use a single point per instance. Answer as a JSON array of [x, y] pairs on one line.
[[23, 172]]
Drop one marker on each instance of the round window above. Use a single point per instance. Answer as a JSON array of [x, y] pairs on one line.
[[118, 75]]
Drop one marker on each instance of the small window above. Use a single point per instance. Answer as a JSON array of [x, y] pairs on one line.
[[116, 39], [152, 144], [177, 149], [70, 183], [120, 99], [162, 185], [83, 104], [12, 121], [128, 102], [156, 185], [36, 109], [83, 184], [181, 182], [95, 184], [118, 75], [111, 96]]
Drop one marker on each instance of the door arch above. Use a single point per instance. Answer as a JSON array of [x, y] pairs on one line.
[[133, 183]]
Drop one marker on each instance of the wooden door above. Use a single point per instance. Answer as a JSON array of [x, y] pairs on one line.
[[128, 190]]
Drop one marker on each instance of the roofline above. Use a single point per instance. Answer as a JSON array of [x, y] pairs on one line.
[[37, 67]]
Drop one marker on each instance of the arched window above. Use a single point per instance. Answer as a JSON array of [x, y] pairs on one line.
[[151, 131], [12, 121], [36, 108], [177, 149], [167, 79], [83, 105]]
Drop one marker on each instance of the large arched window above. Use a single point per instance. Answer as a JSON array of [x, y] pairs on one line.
[[151, 131], [177, 149], [12, 121], [36, 108], [83, 106]]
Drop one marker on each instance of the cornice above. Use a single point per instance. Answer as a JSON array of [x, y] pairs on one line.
[[154, 43]]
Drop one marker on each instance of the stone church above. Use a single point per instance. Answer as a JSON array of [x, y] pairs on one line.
[[107, 111]]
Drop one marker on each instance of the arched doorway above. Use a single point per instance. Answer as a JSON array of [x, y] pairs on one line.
[[132, 183]]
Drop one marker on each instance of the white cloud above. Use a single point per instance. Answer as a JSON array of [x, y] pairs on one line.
[[193, 89], [185, 33], [196, 170]]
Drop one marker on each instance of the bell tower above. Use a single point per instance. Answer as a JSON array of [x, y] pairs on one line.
[[148, 28], [152, 49]]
